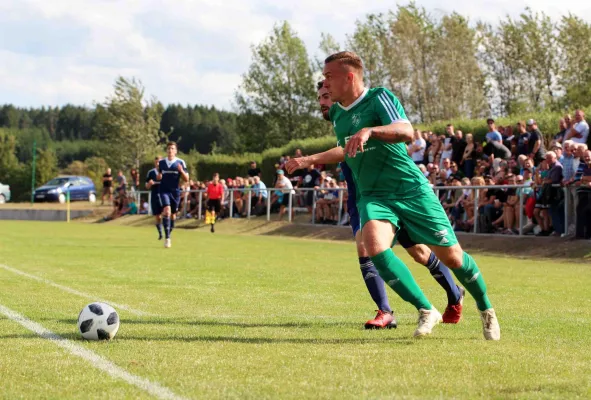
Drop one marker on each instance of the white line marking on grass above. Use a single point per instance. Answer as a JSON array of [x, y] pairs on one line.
[[94, 359], [76, 292]]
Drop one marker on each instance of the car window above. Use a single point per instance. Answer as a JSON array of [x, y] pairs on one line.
[[57, 181]]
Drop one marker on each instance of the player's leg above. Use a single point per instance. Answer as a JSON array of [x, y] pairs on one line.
[[166, 214], [427, 223], [439, 271], [175, 204], [378, 221], [374, 283], [156, 207]]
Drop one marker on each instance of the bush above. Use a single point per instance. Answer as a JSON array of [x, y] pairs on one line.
[[69, 151]]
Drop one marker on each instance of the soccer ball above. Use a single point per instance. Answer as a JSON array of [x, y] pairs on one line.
[[98, 321]]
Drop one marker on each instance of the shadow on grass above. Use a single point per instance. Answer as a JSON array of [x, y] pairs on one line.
[[245, 340], [171, 321]]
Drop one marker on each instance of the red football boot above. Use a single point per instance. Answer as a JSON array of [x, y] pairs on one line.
[[383, 319], [453, 312]]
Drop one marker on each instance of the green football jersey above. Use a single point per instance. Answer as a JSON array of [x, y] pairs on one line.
[[383, 169]]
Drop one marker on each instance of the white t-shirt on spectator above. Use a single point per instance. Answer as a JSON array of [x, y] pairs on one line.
[[582, 128], [287, 187], [419, 155], [446, 153]]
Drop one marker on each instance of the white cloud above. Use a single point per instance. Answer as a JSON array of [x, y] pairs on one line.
[[55, 52]]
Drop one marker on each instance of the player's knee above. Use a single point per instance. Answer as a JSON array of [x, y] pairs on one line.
[[452, 257], [420, 253]]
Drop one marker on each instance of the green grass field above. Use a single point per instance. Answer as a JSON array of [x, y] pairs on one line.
[[235, 316]]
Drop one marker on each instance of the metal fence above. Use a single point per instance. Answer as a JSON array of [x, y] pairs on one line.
[[296, 201]]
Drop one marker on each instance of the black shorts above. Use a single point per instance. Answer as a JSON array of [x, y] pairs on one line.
[[214, 205]]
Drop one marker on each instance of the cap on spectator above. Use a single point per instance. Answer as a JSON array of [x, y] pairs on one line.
[[490, 121], [328, 179], [280, 172], [530, 122], [556, 146]]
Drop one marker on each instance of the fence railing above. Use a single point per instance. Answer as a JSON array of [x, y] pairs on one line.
[[193, 203]]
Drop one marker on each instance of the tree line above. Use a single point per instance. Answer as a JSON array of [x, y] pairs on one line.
[[442, 68]]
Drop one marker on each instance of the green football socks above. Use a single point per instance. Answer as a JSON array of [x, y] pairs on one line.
[[469, 275], [398, 277]]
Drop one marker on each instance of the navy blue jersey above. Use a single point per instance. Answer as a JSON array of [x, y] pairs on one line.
[[170, 174], [153, 176]]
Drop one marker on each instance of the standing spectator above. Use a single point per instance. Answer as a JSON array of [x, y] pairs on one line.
[[254, 170], [259, 195], [537, 151], [509, 140], [215, 198], [298, 153], [417, 148], [583, 223], [107, 186], [468, 156], [496, 150], [433, 149], [580, 160], [580, 130], [447, 150], [562, 128], [493, 135], [121, 181], [541, 211], [523, 140], [556, 198], [457, 147], [310, 181], [135, 180]]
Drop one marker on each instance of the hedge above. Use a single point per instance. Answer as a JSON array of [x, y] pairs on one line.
[[202, 166]]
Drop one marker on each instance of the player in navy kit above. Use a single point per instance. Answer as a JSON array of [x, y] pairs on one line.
[[153, 184], [170, 171]]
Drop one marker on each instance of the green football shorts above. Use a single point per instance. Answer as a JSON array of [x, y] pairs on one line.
[[422, 216]]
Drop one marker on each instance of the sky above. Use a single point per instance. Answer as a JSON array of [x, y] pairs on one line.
[[184, 51]]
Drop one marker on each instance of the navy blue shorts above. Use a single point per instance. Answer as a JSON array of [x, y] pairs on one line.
[[403, 237], [155, 204], [172, 199]]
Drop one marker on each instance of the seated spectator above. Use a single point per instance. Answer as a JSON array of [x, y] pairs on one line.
[[455, 171], [310, 180], [285, 188], [259, 196], [510, 207], [121, 181], [579, 132], [446, 166], [493, 210], [469, 205], [583, 222], [238, 194]]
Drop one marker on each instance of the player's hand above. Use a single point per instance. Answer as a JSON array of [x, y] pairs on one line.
[[357, 141], [180, 168], [297, 163]]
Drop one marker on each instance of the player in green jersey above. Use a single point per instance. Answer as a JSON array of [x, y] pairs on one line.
[[371, 129]]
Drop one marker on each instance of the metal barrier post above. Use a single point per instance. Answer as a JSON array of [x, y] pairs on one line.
[[566, 206], [521, 212], [250, 192], [268, 204], [150, 211], [314, 198], [340, 213], [290, 206], [200, 205], [476, 214], [231, 204]]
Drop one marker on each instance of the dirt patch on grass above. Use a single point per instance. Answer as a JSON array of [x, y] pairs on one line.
[[514, 246]]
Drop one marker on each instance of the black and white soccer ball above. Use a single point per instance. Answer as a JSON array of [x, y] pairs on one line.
[[98, 321]]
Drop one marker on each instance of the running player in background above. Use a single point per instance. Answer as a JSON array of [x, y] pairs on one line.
[[419, 252], [371, 129], [215, 198], [153, 184], [170, 171]]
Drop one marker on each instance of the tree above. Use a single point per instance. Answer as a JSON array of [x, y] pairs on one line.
[[46, 167], [366, 42], [279, 86], [574, 40], [8, 160], [131, 123]]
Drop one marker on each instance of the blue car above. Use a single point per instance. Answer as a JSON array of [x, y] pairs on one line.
[[80, 187]]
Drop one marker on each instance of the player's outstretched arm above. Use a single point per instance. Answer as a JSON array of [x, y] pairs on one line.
[[396, 132], [332, 156]]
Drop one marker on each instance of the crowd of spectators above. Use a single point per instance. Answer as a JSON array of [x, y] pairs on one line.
[[551, 175]]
